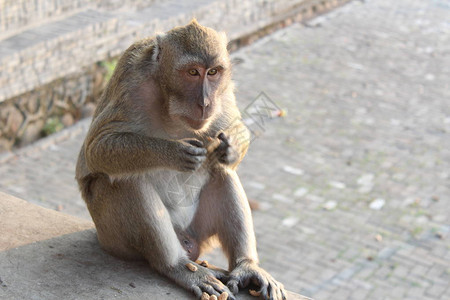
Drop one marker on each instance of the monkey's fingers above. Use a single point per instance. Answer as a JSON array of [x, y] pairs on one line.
[[210, 290], [223, 138], [192, 147], [219, 273], [192, 163], [194, 142], [192, 150], [211, 286]]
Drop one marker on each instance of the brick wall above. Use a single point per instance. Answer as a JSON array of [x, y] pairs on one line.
[[15, 15], [38, 59]]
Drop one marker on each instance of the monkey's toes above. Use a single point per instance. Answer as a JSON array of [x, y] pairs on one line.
[[233, 286], [212, 287], [272, 291]]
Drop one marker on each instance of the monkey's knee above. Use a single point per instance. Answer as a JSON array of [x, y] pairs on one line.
[[118, 247]]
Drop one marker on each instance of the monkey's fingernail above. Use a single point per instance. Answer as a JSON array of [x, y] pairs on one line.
[[191, 267], [223, 137], [223, 296], [254, 293], [204, 264], [205, 296], [213, 297]]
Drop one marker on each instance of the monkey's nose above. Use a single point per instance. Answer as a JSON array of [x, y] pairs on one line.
[[203, 109], [204, 103]]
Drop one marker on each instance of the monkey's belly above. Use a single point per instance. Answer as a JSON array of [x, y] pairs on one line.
[[180, 192]]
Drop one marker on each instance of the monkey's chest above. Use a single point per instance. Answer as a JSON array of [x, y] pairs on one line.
[[179, 192]]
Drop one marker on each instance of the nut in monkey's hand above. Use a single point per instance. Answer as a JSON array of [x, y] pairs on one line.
[[204, 263], [254, 293], [205, 296], [212, 144], [191, 267]]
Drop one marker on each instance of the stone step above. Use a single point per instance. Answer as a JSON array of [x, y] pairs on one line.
[[44, 53], [45, 254], [52, 31], [16, 16], [39, 55], [20, 15]]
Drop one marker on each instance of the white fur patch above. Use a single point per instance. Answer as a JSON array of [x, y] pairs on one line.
[[179, 191]]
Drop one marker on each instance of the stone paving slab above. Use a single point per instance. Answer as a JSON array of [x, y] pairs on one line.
[[353, 182]]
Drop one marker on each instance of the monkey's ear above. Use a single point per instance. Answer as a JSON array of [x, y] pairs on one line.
[[157, 50], [223, 36], [194, 22]]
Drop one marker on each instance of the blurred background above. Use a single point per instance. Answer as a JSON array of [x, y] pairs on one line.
[[351, 182]]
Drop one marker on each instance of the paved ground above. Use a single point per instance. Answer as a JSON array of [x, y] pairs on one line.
[[354, 183]]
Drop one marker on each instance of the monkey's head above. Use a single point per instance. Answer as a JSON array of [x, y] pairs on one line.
[[193, 70]]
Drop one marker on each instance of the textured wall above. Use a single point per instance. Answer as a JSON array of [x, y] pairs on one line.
[[48, 69]]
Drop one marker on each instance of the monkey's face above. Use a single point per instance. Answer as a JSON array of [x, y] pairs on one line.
[[198, 93], [196, 74]]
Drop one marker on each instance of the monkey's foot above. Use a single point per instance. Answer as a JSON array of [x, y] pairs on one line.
[[223, 296], [201, 280], [247, 271], [219, 273]]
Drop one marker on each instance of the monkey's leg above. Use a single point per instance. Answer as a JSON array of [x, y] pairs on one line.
[[224, 210], [132, 216]]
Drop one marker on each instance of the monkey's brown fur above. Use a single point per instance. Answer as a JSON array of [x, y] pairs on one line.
[[149, 182]]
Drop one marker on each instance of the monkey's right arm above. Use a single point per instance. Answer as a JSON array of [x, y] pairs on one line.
[[115, 148]]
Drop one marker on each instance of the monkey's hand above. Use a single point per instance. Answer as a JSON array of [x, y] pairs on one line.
[[200, 280], [226, 153], [247, 271], [190, 155]]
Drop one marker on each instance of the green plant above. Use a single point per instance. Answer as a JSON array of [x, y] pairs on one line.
[[52, 125], [109, 66]]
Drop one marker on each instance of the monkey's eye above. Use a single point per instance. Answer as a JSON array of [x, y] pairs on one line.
[[212, 72], [193, 72]]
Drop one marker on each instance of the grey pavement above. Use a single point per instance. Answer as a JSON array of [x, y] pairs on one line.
[[354, 182]]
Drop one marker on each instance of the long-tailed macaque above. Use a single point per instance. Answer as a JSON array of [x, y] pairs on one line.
[[158, 166]]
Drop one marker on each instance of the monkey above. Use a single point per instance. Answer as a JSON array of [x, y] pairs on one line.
[[158, 166]]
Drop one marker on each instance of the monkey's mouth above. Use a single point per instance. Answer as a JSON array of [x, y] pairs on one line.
[[195, 124]]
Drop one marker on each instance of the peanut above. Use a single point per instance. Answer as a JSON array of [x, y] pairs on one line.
[[191, 267], [254, 293]]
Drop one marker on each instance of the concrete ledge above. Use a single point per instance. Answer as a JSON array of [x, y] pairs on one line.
[[60, 259], [23, 223]]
